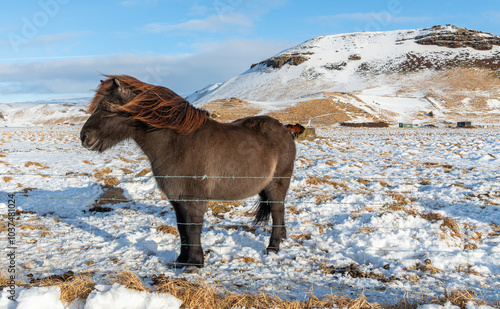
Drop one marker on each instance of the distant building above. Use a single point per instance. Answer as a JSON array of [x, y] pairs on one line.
[[405, 125], [464, 124], [309, 133]]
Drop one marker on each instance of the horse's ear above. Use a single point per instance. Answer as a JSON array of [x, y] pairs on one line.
[[123, 91], [118, 84]]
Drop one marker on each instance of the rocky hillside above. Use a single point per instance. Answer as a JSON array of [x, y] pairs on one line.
[[448, 72], [458, 37]]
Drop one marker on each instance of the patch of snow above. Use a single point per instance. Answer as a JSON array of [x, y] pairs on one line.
[[40, 298], [118, 296]]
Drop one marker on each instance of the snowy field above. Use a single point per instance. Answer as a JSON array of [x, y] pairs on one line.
[[391, 213]]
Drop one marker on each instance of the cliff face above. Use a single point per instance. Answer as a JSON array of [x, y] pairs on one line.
[[443, 36], [279, 61], [458, 38]]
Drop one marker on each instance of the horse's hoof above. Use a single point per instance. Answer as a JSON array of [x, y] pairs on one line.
[[180, 265], [190, 269], [177, 265], [272, 250]]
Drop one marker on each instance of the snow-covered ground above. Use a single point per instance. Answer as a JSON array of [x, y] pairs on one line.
[[391, 213], [41, 113]]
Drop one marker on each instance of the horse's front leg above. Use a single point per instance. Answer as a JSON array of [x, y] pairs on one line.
[[190, 223]]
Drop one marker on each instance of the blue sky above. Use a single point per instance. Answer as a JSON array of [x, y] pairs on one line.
[[57, 48]]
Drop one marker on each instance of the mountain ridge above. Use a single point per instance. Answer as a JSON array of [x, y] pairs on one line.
[[394, 62]]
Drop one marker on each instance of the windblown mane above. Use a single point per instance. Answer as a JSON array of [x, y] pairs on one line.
[[155, 106]]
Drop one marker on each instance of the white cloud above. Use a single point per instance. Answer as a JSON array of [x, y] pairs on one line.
[[17, 42], [184, 74], [370, 17], [59, 37], [213, 23], [200, 10]]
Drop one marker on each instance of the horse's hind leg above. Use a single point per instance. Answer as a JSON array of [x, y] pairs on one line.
[[190, 223], [274, 196]]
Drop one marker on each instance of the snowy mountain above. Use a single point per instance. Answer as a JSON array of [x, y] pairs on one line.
[[195, 96], [436, 76], [44, 112], [395, 76]]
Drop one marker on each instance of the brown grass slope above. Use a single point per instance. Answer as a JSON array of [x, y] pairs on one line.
[[450, 87]]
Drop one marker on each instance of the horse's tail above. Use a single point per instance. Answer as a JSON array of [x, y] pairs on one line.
[[295, 129], [263, 210]]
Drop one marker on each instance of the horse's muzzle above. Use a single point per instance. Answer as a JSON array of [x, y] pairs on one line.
[[88, 141]]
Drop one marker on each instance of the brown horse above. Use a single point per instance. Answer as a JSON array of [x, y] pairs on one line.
[[195, 159], [295, 129]]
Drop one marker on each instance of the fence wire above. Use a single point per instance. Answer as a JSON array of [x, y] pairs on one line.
[[331, 271]]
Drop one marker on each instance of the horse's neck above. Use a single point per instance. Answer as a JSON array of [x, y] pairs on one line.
[[156, 144]]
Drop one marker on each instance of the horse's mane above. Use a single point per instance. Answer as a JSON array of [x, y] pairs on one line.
[[155, 106]]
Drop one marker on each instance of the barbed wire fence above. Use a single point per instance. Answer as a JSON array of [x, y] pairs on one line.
[[326, 273], [319, 267]]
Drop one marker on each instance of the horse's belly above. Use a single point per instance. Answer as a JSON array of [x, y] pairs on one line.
[[238, 189]]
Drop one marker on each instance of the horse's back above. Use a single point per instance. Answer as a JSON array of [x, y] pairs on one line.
[[265, 125], [274, 133]]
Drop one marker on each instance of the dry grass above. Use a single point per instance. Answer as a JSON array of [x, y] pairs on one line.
[[143, 172], [37, 164], [102, 172], [321, 112], [383, 183], [462, 297], [227, 110], [102, 175], [302, 236], [432, 216], [72, 286], [244, 227], [7, 178], [317, 112], [452, 86], [246, 259], [293, 210], [5, 281], [446, 167], [401, 199], [363, 181], [468, 269], [212, 296], [426, 267], [129, 280], [450, 223], [33, 227], [111, 181], [168, 229], [207, 295], [322, 198], [126, 171], [127, 160], [314, 181], [220, 208]]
